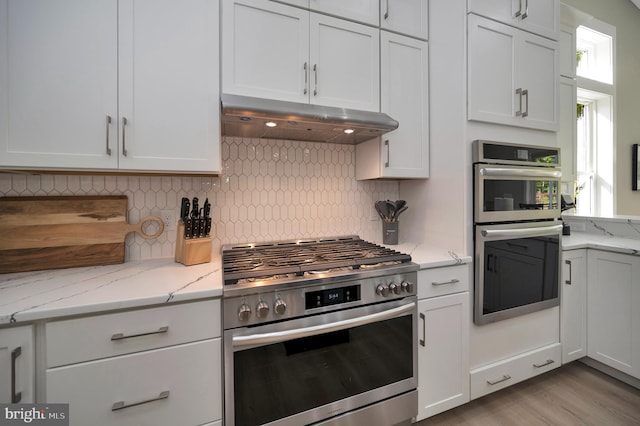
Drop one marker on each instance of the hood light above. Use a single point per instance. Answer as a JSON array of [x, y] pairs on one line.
[[270, 124], [349, 131]]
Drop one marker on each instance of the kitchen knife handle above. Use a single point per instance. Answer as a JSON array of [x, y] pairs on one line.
[[124, 145], [15, 397], [315, 73], [306, 78], [108, 125]]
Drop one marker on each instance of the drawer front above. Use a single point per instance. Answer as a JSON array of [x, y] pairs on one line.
[[180, 385], [441, 281], [510, 371], [101, 336]]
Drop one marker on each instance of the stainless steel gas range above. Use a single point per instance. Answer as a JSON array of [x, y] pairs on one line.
[[319, 331]]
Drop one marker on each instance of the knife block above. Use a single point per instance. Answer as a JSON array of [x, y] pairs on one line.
[[192, 251]]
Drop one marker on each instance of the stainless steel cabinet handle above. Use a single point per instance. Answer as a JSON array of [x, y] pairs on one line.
[[525, 93], [120, 405], [108, 125], [124, 145], [315, 73], [453, 281], [519, 92], [386, 144], [519, 12], [544, 364], [306, 78], [423, 341], [495, 382], [15, 397], [525, 14], [568, 262], [386, 14], [121, 336]]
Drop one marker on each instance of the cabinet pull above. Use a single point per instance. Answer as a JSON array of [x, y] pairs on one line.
[[315, 73], [519, 12], [544, 364], [124, 145], [120, 405], [15, 397], [453, 281], [568, 282], [386, 144], [525, 93], [121, 336], [108, 125], [525, 14], [306, 78], [519, 93], [495, 382], [386, 14], [424, 330]]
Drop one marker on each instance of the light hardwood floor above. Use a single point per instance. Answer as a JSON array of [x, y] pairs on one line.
[[573, 394]]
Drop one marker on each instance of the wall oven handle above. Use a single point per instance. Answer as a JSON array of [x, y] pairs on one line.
[[522, 232], [282, 336], [520, 172]]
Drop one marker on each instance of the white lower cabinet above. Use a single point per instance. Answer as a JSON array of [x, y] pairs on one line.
[[443, 340], [573, 305], [504, 373], [17, 365], [613, 310]]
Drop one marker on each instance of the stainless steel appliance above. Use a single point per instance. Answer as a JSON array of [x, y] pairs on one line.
[[319, 332], [516, 229]]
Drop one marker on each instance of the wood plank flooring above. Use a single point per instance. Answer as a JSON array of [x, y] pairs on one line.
[[574, 394]]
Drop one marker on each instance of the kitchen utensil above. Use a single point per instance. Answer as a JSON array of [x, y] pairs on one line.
[[382, 209], [60, 232]]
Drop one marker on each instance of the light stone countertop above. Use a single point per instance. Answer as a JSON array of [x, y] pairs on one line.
[[580, 240], [428, 256]]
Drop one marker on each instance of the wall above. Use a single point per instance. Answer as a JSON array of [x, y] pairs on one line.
[[268, 190], [626, 18]]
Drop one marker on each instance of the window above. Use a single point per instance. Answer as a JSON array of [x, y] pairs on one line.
[[595, 71]]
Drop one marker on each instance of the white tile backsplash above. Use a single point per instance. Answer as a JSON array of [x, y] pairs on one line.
[[268, 190]]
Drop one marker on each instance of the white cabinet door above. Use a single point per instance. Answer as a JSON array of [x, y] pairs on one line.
[[345, 64], [169, 85], [573, 305], [567, 128], [567, 52], [512, 76], [443, 353], [537, 16], [358, 10], [58, 83], [406, 17], [404, 73], [265, 50], [17, 365], [613, 310]]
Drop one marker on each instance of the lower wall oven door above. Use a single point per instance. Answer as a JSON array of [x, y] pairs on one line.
[[516, 269], [314, 368]]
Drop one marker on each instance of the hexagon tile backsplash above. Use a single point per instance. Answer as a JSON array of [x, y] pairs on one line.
[[268, 190]]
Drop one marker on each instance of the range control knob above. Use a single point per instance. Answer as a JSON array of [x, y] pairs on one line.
[[382, 290], [244, 312], [395, 288], [408, 286], [262, 309], [279, 307]]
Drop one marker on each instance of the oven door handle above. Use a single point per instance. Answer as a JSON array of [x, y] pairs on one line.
[[282, 336], [522, 232], [520, 172]]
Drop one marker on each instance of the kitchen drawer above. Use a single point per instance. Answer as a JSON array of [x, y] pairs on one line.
[[101, 336], [505, 373], [445, 280], [189, 375]]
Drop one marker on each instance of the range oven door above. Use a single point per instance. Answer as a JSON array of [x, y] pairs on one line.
[[309, 369], [516, 269], [505, 193]]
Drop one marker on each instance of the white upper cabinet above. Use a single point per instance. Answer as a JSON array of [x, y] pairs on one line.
[[114, 90], [404, 152], [365, 11], [303, 57], [538, 16], [512, 76], [405, 17]]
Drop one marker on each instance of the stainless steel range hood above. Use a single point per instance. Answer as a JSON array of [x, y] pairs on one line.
[[250, 117]]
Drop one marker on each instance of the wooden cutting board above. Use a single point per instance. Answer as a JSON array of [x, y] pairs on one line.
[[60, 232]]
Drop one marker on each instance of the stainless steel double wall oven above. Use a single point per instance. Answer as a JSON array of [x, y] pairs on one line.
[[319, 332], [517, 229]]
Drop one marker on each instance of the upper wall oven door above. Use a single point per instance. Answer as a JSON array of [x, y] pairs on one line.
[[505, 193]]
